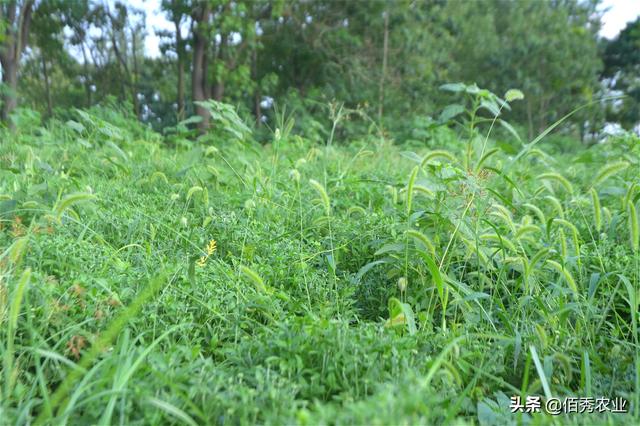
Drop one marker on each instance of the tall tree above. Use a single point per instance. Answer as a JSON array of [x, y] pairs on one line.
[[116, 52], [548, 49], [124, 42], [622, 73], [47, 36], [177, 13], [77, 17], [16, 20], [201, 15]]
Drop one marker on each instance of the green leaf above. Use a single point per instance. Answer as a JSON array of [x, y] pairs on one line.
[[510, 129], [366, 268], [411, 156], [401, 315], [75, 126], [474, 90], [454, 87], [450, 111], [490, 106], [391, 247], [172, 410], [437, 276]]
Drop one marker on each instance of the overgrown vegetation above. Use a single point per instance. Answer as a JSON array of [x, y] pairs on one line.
[[149, 279], [386, 58], [285, 212]]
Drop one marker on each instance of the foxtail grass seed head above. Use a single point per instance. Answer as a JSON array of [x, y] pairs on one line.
[[294, 175], [211, 150], [513, 95], [402, 284], [249, 204], [324, 197]]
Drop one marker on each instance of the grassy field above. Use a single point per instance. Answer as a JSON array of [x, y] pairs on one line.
[[220, 282]]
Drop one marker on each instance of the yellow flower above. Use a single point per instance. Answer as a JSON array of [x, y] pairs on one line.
[[210, 249]]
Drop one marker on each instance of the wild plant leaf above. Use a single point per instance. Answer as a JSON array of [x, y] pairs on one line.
[[75, 126], [453, 87], [510, 129], [401, 315], [366, 268], [411, 156], [450, 111], [172, 410], [390, 248], [436, 275], [490, 106]]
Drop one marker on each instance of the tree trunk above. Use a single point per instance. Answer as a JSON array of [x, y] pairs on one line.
[[257, 96], [134, 75], [180, 90], [205, 72], [122, 56], [123, 64], [10, 80], [180, 53], [47, 86], [217, 91], [13, 42], [87, 82], [385, 52], [198, 73]]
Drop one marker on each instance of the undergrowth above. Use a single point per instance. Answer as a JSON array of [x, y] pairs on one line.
[[312, 282]]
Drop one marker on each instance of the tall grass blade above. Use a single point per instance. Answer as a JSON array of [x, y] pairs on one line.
[[634, 227], [59, 398], [172, 410], [540, 370], [14, 312]]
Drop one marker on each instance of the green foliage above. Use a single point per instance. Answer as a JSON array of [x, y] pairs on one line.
[[621, 68], [226, 119], [306, 282], [310, 54], [506, 44]]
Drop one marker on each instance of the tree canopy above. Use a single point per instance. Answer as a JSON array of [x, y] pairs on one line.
[[384, 58]]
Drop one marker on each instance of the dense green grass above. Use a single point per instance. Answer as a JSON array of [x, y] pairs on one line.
[[350, 284]]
